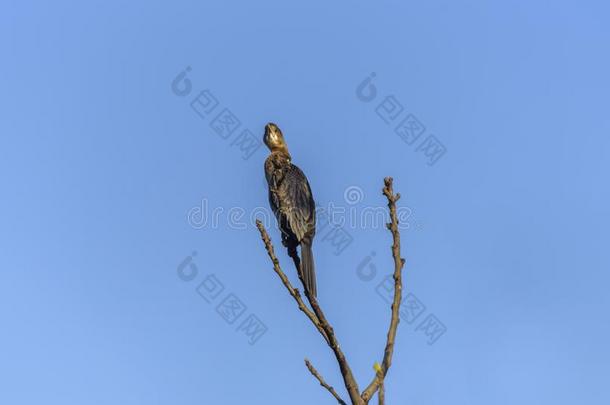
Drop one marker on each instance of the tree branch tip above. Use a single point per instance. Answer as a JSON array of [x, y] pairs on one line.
[[261, 227], [323, 383]]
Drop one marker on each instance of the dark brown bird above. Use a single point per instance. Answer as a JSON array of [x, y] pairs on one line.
[[292, 203]]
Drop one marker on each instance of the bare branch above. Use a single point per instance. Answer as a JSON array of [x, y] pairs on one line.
[[330, 389], [399, 263], [348, 378], [293, 291], [317, 318]]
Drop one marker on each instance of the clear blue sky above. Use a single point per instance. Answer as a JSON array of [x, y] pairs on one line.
[[103, 159]]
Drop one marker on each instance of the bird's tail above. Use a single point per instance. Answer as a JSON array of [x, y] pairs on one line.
[[308, 268]]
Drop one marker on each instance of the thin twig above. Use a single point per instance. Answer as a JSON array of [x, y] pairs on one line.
[[323, 383], [399, 263], [348, 378], [293, 291], [317, 318]]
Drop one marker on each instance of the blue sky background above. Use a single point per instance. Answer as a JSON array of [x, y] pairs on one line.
[[102, 162]]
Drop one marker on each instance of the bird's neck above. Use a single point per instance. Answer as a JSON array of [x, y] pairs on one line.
[[281, 152]]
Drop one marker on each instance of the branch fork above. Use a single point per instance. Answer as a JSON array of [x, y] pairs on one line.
[[318, 319]]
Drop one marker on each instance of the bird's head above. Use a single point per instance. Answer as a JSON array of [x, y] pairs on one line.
[[274, 139]]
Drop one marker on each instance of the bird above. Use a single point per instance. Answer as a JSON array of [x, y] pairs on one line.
[[292, 203]]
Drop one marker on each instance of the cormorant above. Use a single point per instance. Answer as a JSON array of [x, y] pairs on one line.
[[292, 203]]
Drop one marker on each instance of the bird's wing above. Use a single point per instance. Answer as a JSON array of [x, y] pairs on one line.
[[296, 202]]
